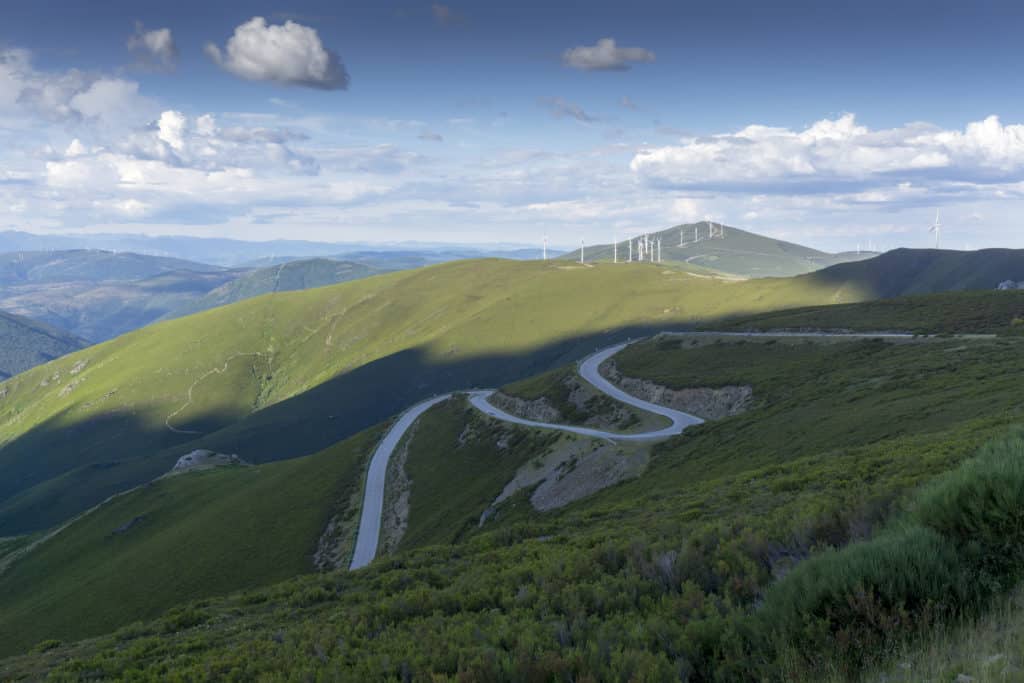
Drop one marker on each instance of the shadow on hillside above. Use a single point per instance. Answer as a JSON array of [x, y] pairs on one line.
[[57, 470]]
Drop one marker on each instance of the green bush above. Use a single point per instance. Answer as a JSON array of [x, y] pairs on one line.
[[842, 605], [980, 507]]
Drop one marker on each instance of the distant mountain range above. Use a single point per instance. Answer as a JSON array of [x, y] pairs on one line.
[[726, 250], [26, 343], [98, 295], [243, 253]]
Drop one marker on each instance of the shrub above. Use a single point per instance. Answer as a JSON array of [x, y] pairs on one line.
[[980, 507], [865, 598]]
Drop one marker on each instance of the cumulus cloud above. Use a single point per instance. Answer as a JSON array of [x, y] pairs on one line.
[[65, 95], [154, 47], [837, 155], [605, 56], [561, 108], [288, 54]]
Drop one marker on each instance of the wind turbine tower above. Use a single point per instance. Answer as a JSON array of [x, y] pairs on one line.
[[936, 227], [581, 251], [545, 247], [630, 249]]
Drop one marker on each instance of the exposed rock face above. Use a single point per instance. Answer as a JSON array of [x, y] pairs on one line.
[[539, 410], [202, 459], [710, 404]]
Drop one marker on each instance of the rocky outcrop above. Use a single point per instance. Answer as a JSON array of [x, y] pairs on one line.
[[704, 402], [202, 459], [539, 410]]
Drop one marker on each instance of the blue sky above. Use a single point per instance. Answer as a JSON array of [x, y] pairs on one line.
[[832, 124]]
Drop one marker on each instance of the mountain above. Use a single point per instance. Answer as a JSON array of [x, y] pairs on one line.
[[288, 374], [904, 272], [100, 295], [242, 253], [731, 250], [25, 343], [285, 277], [88, 265]]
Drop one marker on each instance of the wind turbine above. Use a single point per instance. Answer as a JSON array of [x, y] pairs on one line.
[[936, 227], [545, 247], [581, 251]]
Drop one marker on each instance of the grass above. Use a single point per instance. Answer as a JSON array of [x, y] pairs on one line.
[[179, 538], [457, 470], [977, 312]]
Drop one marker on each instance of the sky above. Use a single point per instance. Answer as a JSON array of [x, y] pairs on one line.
[[833, 124]]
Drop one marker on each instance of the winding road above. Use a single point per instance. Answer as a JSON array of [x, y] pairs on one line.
[[373, 497]]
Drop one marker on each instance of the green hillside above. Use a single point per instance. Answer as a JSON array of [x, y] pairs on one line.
[[289, 374], [680, 573], [731, 250], [26, 343], [285, 277], [181, 538], [903, 272]]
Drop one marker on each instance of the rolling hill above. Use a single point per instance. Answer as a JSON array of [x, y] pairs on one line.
[[285, 277], [88, 265], [289, 374], [705, 549], [736, 252], [101, 295], [25, 343], [903, 272]]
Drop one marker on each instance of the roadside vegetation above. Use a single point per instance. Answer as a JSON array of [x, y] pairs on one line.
[[854, 503]]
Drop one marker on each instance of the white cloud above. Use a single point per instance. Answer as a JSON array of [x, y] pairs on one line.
[[171, 129], [155, 46], [837, 155], [66, 95], [289, 54], [605, 56]]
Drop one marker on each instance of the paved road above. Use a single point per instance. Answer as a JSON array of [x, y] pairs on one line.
[[373, 497]]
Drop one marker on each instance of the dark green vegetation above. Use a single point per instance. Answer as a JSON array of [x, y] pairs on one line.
[[289, 374], [977, 312], [904, 272], [737, 252], [180, 538], [672, 575], [100, 295], [26, 343], [286, 277], [456, 470]]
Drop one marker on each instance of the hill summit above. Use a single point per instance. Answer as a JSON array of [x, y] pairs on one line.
[[724, 249]]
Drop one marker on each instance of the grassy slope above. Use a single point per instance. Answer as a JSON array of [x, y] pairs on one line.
[[286, 374], [286, 277], [740, 252], [985, 312], [26, 343], [903, 272], [456, 470], [649, 568], [198, 534]]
